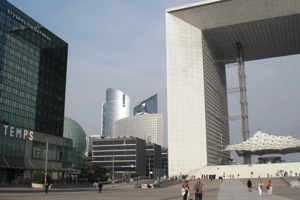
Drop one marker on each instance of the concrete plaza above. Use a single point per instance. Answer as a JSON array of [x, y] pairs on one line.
[[229, 189]]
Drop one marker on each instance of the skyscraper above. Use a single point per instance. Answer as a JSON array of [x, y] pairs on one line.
[[146, 122], [147, 106], [33, 67], [116, 106], [147, 126]]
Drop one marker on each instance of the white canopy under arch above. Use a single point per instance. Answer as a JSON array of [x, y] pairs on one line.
[[263, 143]]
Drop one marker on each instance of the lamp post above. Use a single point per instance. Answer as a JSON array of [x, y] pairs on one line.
[[46, 160], [149, 167], [113, 166], [113, 169], [221, 141], [149, 141]]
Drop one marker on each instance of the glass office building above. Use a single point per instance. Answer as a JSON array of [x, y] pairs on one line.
[[154, 160], [116, 106], [147, 106], [33, 66], [23, 153], [149, 127]]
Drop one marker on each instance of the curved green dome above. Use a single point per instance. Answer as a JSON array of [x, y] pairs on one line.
[[74, 131]]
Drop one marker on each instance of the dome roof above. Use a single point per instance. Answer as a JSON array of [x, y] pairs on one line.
[[74, 131]]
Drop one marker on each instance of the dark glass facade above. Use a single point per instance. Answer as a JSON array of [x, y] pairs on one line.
[[164, 161], [147, 106], [154, 160], [33, 66], [23, 152]]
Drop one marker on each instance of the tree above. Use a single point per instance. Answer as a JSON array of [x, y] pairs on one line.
[[39, 178], [93, 173]]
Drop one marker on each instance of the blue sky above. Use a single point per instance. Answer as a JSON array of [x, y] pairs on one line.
[[122, 44], [116, 43]]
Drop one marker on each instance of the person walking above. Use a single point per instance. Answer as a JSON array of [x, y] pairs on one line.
[[199, 189], [46, 185], [249, 185], [270, 187], [185, 190], [95, 184], [260, 186], [100, 187]]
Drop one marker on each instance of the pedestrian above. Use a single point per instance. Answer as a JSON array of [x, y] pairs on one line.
[[100, 187], [270, 187], [199, 189], [249, 184], [46, 185], [95, 184], [260, 186], [185, 190]]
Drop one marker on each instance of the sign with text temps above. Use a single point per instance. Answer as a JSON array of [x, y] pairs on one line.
[[16, 132]]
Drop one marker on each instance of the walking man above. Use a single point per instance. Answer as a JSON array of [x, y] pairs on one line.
[[199, 189], [46, 185], [100, 187], [249, 185]]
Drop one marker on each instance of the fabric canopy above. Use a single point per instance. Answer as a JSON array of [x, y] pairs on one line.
[[263, 143]]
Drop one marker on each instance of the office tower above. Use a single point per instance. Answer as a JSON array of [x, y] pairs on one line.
[[33, 67], [147, 126], [116, 106], [153, 160], [147, 106]]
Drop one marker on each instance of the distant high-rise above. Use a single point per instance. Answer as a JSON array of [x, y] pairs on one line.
[[116, 106], [148, 127], [147, 106]]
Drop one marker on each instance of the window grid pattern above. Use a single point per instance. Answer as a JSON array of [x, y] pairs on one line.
[[32, 73]]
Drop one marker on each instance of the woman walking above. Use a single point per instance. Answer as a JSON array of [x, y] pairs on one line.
[[260, 185], [185, 190], [270, 187]]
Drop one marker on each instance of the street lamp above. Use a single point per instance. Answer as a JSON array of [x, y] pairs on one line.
[[46, 160], [221, 142], [149, 167], [149, 153], [113, 166]]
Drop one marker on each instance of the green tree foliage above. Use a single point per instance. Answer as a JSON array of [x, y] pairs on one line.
[[93, 173], [39, 178]]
